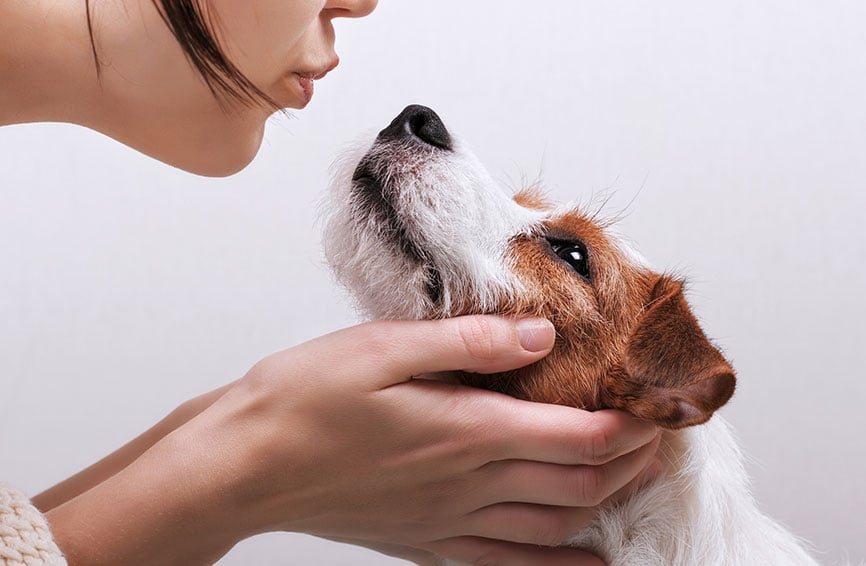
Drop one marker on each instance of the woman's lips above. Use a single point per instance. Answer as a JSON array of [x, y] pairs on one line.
[[307, 86], [307, 78]]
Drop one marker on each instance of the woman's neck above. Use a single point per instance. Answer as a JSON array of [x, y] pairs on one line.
[[47, 70]]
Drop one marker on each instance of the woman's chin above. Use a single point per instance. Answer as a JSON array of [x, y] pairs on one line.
[[212, 142], [221, 157]]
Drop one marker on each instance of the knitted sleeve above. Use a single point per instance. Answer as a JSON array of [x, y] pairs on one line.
[[25, 539]]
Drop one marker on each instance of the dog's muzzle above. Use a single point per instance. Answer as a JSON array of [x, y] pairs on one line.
[[416, 129], [415, 124]]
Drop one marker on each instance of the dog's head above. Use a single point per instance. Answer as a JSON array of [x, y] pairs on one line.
[[418, 229]]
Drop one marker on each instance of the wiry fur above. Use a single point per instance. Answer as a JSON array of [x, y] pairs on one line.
[[417, 231], [699, 512], [464, 232]]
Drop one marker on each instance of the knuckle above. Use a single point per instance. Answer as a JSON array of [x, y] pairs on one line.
[[479, 337], [592, 486], [552, 531], [600, 443]]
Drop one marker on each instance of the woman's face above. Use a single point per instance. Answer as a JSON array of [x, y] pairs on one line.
[[282, 45], [154, 100]]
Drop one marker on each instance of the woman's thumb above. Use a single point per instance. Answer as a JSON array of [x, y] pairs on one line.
[[479, 343]]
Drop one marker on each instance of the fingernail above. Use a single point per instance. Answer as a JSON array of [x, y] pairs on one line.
[[535, 334]]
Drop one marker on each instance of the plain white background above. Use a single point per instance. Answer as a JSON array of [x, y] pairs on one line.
[[733, 132]]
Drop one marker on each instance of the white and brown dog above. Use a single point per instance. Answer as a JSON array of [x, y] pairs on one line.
[[418, 229]]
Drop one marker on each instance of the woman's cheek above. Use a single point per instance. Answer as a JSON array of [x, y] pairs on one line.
[[260, 37]]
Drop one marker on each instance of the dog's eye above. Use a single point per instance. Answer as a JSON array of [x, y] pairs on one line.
[[574, 254]]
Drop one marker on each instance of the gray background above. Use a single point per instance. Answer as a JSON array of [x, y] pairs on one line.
[[738, 130]]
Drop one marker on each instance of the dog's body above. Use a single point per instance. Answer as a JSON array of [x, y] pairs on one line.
[[699, 511], [419, 230]]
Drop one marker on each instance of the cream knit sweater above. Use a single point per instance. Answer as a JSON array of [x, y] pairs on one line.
[[25, 539]]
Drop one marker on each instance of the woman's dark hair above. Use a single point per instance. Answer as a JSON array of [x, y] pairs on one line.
[[195, 37]]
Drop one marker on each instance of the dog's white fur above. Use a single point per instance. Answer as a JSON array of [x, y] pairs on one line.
[[464, 229], [699, 511]]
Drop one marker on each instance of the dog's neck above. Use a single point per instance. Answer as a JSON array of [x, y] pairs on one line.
[[698, 511]]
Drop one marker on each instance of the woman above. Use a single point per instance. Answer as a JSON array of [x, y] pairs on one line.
[[412, 468]]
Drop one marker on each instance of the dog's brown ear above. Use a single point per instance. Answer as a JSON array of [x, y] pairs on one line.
[[671, 373]]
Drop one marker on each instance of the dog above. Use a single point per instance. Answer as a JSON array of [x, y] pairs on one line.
[[417, 229]]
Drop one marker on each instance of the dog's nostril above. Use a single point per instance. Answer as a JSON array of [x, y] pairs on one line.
[[425, 124], [422, 123]]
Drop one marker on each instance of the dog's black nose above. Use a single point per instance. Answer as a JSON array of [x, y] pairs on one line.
[[419, 122]]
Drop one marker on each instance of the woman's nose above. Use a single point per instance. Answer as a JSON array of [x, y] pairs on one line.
[[350, 8]]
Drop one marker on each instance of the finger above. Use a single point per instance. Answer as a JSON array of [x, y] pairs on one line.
[[495, 427], [564, 435], [403, 349], [525, 523], [415, 555], [523, 481], [646, 477], [474, 550]]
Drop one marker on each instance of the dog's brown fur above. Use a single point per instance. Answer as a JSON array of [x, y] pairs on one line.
[[628, 341]]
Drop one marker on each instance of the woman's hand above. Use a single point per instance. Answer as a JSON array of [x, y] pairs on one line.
[[335, 438]]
